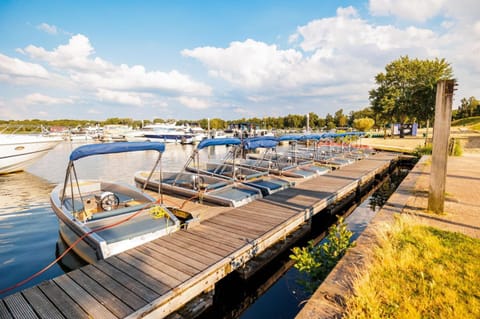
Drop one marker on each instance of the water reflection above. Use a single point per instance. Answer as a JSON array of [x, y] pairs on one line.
[[380, 197], [21, 191]]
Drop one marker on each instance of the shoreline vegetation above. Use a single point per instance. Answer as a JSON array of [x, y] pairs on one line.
[[419, 272]]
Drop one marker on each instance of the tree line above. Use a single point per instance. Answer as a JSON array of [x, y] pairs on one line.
[[405, 93]]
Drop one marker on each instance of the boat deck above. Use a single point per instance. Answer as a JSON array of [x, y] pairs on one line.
[[161, 276]]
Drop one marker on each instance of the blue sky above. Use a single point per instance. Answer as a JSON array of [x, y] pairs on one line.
[[227, 59]]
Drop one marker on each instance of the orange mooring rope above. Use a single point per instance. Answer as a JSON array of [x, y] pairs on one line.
[[38, 273]]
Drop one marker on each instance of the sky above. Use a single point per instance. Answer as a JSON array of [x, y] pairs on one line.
[[190, 59]]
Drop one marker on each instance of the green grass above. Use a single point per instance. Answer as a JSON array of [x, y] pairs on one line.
[[420, 272], [467, 121]]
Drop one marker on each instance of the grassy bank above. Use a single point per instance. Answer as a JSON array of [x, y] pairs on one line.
[[420, 272]]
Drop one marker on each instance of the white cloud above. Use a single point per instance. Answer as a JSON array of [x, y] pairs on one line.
[[193, 103], [129, 98], [346, 32], [50, 29], [407, 9], [72, 56], [38, 98], [77, 59], [336, 60], [13, 67], [248, 64]]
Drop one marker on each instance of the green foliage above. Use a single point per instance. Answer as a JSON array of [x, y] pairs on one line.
[[423, 150], [467, 121], [468, 108], [457, 148], [363, 124], [316, 262], [407, 89]]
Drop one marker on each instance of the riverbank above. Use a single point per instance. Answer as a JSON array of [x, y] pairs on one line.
[[411, 198]]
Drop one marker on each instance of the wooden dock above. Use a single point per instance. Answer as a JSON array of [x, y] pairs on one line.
[[158, 278]]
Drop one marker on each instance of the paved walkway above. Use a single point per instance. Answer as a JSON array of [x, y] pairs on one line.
[[462, 197], [462, 214]]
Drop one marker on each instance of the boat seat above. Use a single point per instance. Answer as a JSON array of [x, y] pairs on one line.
[[216, 185], [118, 211]]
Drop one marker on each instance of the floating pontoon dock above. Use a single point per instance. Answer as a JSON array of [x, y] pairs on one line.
[[158, 278]]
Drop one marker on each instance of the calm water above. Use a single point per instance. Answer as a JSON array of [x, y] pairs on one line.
[[29, 230]]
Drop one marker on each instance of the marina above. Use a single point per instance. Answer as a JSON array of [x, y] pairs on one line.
[[163, 275]]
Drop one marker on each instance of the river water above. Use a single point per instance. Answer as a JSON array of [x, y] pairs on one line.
[[29, 236]]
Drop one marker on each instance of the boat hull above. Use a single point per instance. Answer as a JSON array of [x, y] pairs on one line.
[[17, 152], [107, 233]]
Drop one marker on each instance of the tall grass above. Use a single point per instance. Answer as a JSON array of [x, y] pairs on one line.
[[420, 272]]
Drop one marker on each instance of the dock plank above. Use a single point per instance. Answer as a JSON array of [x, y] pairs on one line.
[[43, 307], [83, 298], [135, 287], [192, 253], [235, 230], [246, 226], [139, 275], [114, 287], [220, 247], [232, 243], [129, 257], [257, 216], [182, 243], [176, 255], [213, 252], [19, 307], [62, 301], [170, 266], [4, 313], [104, 297], [173, 258], [233, 239]]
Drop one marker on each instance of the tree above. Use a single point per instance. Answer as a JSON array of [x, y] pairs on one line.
[[363, 124], [340, 119], [329, 121], [468, 108], [407, 89]]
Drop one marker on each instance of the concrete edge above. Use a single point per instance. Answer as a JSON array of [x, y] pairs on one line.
[[328, 301]]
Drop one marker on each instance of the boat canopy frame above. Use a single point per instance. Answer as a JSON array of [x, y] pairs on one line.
[[108, 148]]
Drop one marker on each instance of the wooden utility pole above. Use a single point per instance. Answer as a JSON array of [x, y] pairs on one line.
[[441, 134]]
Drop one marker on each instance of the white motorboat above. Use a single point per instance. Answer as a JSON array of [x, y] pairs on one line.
[[100, 219], [167, 133], [17, 151]]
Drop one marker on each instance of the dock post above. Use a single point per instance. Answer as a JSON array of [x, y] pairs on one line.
[[441, 134]]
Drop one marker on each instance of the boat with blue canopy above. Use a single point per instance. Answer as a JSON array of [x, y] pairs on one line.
[[104, 218], [288, 165], [229, 167], [195, 183]]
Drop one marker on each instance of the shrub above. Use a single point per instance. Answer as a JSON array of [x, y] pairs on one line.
[[316, 262]]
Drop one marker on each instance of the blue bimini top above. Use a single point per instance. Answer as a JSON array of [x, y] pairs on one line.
[[290, 137], [261, 141], [218, 141], [120, 147]]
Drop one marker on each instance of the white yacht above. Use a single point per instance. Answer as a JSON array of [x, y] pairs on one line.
[[17, 151]]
